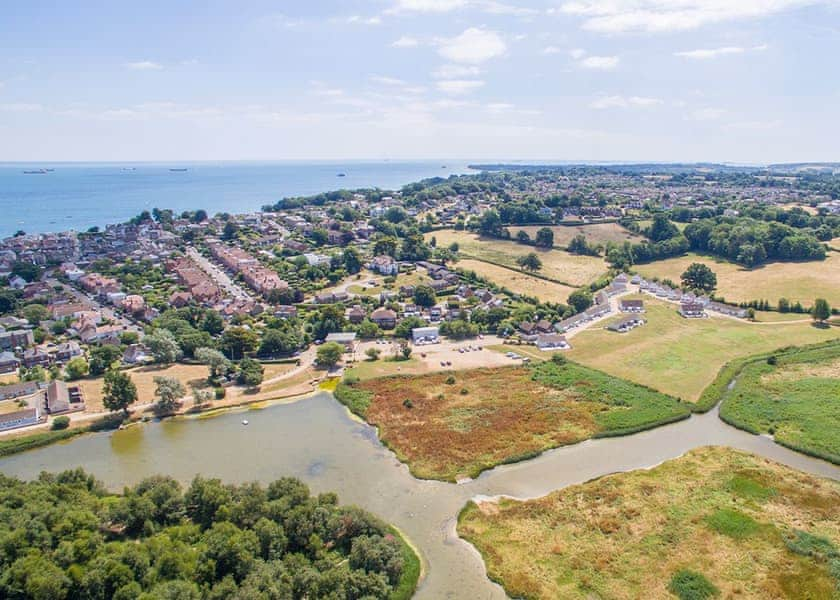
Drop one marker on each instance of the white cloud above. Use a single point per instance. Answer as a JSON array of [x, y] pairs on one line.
[[455, 72], [707, 53], [387, 80], [707, 114], [20, 107], [551, 50], [473, 46], [406, 42], [144, 65], [603, 63], [375, 20], [432, 6], [458, 87], [605, 102], [616, 16]]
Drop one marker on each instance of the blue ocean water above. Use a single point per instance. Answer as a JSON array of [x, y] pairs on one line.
[[81, 195]]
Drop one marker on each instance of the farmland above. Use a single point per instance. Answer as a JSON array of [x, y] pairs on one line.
[[797, 281], [597, 233], [728, 522], [797, 400], [452, 425], [570, 269], [517, 281], [682, 356]]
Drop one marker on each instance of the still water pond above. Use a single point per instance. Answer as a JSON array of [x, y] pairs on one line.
[[317, 441]]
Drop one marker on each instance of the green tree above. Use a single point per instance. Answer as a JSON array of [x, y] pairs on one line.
[[103, 358], [545, 238], [386, 245], [118, 391], [236, 341], [329, 354], [169, 392], [212, 323], [250, 373], [530, 262], [277, 341], [580, 299], [661, 229], [821, 311], [163, 346], [424, 295], [373, 353], [699, 277], [352, 260], [217, 362], [25, 270], [76, 368], [35, 313]]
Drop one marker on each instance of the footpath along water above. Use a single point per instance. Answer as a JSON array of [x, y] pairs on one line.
[[317, 441]]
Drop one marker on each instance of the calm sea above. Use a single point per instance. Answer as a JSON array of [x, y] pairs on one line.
[[81, 195]]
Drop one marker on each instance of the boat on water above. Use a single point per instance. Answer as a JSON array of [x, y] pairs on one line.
[[35, 172], [342, 175], [245, 421], [178, 170]]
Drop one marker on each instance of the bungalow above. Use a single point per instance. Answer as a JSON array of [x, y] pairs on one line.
[[346, 339], [631, 306], [180, 299], [285, 312], [135, 354], [356, 315], [20, 418], [726, 309], [552, 341], [384, 317], [425, 335], [544, 326], [19, 390], [692, 310], [626, 324], [528, 331], [315, 260], [435, 313]]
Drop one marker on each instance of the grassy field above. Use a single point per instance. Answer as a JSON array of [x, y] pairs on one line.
[[557, 264], [682, 356], [802, 281], [597, 233], [517, 282], [144, 379], [727, 522], [797, 400], [456, 424]]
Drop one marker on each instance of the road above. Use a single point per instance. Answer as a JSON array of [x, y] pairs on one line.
[[219, 277]]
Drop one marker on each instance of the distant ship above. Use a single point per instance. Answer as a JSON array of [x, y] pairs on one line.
[[178, 170], [35, 172], [342, 175]]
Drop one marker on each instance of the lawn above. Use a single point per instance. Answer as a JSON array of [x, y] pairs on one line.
[[682, 356], [518, 282], [725, 520], [559, 265], [797, 400], [456, 424], [802, 281], [597, 233]]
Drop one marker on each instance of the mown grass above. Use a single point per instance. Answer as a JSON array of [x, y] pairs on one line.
[[691, 528], [451, 425], [682, 357], [797, 399]]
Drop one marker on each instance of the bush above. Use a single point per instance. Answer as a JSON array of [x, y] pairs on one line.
[[62, 422], [464, 391], [220, 393], [408, 403], [559, 359], [690, 585], [450, 380], [772, 360]]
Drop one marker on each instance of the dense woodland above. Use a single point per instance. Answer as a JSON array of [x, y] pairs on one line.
[[64, 536]]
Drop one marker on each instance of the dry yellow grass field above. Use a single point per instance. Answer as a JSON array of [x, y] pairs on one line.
[[520, 283], [144, 379], [558, 264], [802, 281], [752, 528], [682, 356], [597, 233]]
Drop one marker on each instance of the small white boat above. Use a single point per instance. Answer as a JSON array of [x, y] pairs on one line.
[[244, 421]]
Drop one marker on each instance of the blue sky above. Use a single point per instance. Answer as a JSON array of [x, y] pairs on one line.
[[718, 80]]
